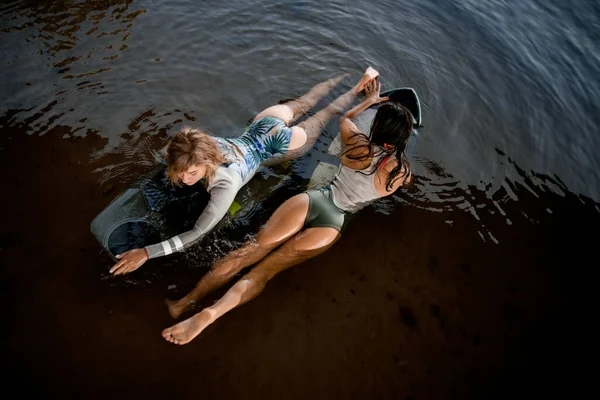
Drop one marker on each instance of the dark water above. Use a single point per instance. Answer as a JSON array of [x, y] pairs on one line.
[[464, 282]]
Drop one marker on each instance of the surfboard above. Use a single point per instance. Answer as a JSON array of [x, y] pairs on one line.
[[149, 211]]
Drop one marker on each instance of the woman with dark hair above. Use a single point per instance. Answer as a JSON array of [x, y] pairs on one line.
[[228, 164], [306, 225]]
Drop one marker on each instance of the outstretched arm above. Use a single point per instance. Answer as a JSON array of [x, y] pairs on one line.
[[223, 189]]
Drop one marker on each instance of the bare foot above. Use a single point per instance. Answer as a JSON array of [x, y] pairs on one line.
[[368, 76], [178, 307], [187, 330]]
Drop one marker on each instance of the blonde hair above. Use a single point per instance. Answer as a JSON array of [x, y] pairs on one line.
[[190, 147]]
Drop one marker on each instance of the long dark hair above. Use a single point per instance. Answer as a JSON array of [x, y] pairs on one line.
[[390, 130]]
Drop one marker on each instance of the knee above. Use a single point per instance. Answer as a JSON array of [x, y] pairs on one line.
[[247, 285], [225, 270], [242, 287], [221, 271], [255, 281]]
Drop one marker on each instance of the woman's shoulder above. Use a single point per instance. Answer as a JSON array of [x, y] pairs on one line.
[[402, 178], [358, 148], [225, 175], [358, 158]]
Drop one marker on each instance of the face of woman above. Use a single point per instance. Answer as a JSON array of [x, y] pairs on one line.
[[193, 174]]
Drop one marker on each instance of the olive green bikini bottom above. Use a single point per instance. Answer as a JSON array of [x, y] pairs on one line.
[[322, 212]]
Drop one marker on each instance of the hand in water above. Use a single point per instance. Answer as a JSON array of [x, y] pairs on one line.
[[372, 90], [369, 76], [129, 261]]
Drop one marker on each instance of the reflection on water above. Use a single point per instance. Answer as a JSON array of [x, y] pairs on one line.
[[438, 191], [56, 54], [62, 30], [141, 147]]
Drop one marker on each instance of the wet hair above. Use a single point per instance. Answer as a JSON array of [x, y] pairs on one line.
[[390, 130], [190, 147]]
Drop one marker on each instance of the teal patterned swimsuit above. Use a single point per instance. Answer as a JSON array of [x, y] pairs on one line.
[[264, 139]]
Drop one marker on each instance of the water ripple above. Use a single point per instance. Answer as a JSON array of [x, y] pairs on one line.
[[508, 90]]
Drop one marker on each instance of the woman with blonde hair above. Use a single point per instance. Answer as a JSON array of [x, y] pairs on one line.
[[228, 164]]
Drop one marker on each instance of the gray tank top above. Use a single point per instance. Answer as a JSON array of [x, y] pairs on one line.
[[353, 189]]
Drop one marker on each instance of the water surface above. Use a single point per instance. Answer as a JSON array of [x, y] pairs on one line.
[[461, 274]]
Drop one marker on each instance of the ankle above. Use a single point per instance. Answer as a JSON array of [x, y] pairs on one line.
[[207, 314]]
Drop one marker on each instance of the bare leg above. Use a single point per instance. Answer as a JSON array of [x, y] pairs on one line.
[[306, 133], [304, 245], [285, 222], [291, 111]]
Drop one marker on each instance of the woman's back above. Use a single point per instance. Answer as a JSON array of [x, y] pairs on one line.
[[352, 188], [359, 183], [374, 165]]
